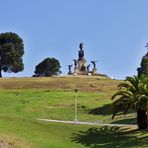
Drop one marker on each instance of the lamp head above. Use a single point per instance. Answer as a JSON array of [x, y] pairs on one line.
[[76, 90]]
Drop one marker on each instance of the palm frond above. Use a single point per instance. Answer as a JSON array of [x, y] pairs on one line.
[[131, 94], [134, 81], [123, 93], [123, 86]]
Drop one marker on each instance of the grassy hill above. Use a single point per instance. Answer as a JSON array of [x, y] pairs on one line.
[[24, 100], [84, 83]]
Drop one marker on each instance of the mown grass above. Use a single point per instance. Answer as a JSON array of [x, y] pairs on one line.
[[24, 100]]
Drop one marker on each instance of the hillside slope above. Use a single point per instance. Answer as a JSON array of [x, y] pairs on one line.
[[24, 100], [60, 83]]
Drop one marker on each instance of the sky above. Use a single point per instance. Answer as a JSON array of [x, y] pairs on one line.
[[114, 32]]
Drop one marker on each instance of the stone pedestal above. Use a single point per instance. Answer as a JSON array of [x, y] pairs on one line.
[[81, 63], [94, 70], [76, 70], [69, 73]]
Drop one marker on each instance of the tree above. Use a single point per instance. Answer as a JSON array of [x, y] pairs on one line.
[[133, 94], [48, 67], [144, 66], [11, 52]]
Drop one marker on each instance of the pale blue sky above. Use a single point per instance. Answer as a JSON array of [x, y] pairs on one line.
[[114, 32]]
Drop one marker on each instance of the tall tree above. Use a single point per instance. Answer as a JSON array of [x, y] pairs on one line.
[[48, 67], [11, 52], [133, 94], [143, 69]]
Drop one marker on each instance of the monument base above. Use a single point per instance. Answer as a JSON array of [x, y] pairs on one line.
[[76, 70], [94, 70], [70, 73]]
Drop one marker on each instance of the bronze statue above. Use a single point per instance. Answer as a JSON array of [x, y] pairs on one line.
[[94, 63], [69, 67], [81, 51], [81, 46], [146, 46], [88, 67], [75, 62]]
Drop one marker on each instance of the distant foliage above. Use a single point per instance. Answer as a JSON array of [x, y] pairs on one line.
[[144, 66], [48, 67], [11, 52]]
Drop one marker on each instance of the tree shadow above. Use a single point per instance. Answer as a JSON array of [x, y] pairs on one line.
[[126, 121], [109, 137], [105, 110], [102, 110]]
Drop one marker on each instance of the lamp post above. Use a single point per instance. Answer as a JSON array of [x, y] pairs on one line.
[[76, 111]]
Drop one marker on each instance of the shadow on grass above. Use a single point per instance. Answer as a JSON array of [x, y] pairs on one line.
[[126, 121], [109, 137], [105, 110], [102, 110]]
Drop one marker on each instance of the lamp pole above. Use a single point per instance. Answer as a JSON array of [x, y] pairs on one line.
[[76, 101]]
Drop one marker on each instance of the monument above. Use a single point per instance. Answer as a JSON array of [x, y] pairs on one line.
[[80, 65], [69, 69]]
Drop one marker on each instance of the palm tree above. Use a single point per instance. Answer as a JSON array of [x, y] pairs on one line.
[[132, 95]]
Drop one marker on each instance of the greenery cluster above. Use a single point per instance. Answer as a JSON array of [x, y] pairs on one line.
[[12, 51], [144, 66], [133, 94], [48, 67]]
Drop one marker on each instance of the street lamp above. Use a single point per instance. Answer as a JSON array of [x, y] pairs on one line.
[[76, 111]]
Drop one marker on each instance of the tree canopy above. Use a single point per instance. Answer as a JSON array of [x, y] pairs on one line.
[[144, 66], [48, 67], [11, 52]]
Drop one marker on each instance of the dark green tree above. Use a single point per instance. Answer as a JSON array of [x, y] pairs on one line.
[[133, 95], [143, 69], [11, 52], [144, 66], [48, 67]]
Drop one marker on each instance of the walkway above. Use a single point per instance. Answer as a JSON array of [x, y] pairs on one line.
[[88, 123]]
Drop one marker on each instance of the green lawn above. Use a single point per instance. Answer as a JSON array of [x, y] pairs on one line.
[[20, 107]]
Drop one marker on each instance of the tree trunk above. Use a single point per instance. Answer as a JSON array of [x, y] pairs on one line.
[[142, 119]]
